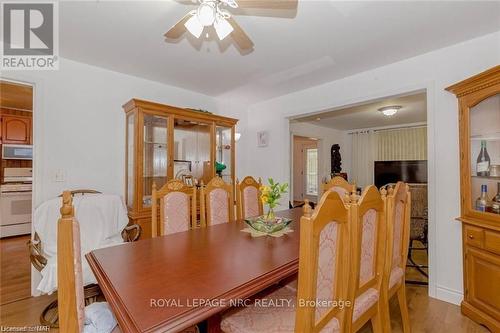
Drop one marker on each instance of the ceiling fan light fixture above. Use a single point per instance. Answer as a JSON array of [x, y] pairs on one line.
[[206, 14], [390, 110], [194, 26], [222, 27]]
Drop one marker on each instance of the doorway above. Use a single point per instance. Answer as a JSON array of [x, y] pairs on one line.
[[384, 141], [305, 182], [16, 133]]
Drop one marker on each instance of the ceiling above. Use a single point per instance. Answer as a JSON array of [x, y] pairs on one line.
[[414, 110], [16, 96], [319, 41]]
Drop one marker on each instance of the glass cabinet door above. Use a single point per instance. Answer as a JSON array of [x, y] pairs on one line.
[[224, 153], [485, 155], [192, 151], [130, 159], [155, 155]]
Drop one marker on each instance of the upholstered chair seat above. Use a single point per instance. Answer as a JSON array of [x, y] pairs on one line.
[[259, 319]]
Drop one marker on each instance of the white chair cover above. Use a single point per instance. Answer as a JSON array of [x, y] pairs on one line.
[[102, 217]]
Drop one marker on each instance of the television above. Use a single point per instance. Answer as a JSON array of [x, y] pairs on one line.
[[393, 171]]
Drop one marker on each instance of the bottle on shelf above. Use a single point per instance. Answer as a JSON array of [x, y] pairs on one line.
[[495, 203], [483, 161], [482, 201]]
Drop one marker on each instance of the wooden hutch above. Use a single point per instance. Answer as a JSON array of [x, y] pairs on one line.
[[479, 120], [164, 142]]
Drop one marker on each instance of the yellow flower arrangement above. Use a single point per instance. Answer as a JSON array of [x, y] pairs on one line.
[[270, 195]]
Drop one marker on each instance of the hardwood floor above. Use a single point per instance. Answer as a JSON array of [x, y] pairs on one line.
[[15, 268], [427, 315]]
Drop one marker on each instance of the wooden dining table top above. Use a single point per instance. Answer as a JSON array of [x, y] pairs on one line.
[[169, 283]]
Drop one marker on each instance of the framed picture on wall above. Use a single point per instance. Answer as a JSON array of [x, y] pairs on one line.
[[262, 139]]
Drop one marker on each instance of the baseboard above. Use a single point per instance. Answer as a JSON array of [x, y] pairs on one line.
[[449, 295]]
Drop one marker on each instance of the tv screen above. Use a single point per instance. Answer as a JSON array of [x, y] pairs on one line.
[[393, 171]]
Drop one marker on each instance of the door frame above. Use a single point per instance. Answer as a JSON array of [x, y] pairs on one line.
[[37, 127], [318, 142], [434, 290]]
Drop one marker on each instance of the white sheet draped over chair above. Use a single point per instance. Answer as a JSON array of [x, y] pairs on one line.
[[102, 218]]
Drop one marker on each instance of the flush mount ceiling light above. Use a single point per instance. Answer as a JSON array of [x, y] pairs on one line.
[[214, 13], [390, 110]]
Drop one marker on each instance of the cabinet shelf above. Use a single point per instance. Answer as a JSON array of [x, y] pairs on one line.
[[495, 136], [486, 177]]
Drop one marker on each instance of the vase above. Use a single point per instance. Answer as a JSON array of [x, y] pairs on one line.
[[270, 217]]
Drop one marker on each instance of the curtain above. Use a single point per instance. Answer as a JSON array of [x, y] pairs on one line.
[[363, 155], [402, 144]]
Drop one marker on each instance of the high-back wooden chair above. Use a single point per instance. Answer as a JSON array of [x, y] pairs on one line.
[[248, 203], [177, 203], [71, 307], [323, 264], [323, 277], [398, 203], [368, 236], [339, 185], [217, 202]]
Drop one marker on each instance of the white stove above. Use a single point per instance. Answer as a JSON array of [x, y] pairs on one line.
[[15, 202]]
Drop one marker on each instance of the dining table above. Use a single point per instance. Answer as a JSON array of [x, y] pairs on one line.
[[172, 282]]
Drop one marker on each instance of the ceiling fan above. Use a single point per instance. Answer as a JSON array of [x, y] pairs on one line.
[[216, 13]]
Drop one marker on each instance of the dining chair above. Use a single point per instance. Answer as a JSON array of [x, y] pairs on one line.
[[368, 236], [323, 278], [339, 185], [216, 201], [248, 203], [73, 315], [177, 203], [398, 203]]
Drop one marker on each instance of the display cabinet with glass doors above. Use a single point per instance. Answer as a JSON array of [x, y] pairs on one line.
[[164, 142], [479, 121]]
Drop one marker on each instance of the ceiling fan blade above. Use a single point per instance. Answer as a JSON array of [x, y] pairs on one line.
[[178, 29], [239, 36], [268, 4]]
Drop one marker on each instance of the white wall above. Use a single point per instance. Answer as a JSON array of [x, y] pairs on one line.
[[433, 72], [80, 124]]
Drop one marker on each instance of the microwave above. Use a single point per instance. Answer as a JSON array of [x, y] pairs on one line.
[[17, 152]]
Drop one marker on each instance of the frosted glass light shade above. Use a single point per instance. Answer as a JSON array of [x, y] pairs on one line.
[[222, 27], [206, 14], [194, 26]]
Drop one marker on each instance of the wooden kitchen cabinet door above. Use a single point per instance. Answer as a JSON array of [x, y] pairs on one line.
[[16, 130]]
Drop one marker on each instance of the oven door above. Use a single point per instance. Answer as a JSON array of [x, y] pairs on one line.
[[15, 208]]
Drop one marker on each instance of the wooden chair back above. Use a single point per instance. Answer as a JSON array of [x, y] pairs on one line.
[[368, 237], [217, 202], [69, 270], [339, 185], [177, 203], [323, 264], [398, 209], [248, 201]]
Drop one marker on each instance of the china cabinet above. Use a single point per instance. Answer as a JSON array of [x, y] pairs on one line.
[[479, 121], [164, 142]]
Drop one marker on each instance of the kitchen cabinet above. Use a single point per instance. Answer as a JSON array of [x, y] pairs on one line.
[[16, 129]]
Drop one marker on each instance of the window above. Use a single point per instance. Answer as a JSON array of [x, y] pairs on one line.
[[312, 171]]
